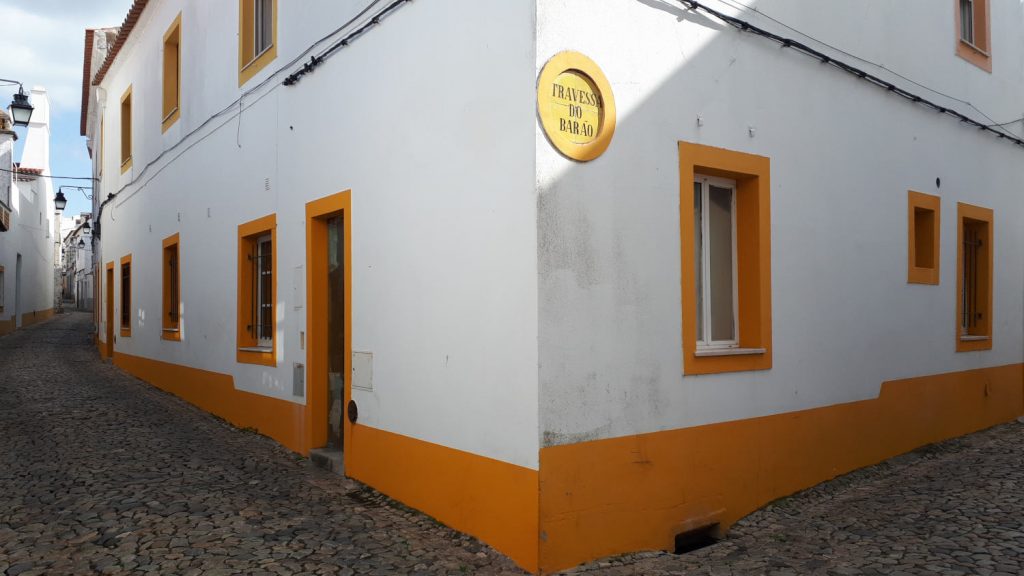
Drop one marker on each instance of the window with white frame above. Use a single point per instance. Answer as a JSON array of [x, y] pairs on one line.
[[263, 22], [714, 209], [967, 21]]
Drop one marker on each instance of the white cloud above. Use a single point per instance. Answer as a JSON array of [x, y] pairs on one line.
[[43, 41]]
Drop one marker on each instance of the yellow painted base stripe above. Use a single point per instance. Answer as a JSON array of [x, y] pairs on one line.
[[492, 500], [281, 420], [495, 501], [624, 494], [27, 319]]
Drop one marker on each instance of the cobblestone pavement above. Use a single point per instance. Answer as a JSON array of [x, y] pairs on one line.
[[101, 473], [952, 508]]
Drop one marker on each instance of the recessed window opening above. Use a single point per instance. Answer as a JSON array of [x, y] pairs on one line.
[[714, 209], [924, 231]]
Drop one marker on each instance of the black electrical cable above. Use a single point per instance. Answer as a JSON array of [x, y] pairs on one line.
[[744, 26], [30, 175], [316, 60], [741, 6]]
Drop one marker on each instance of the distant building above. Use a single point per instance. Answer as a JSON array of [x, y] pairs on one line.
[[577, 278], [77, 269], [27, 221]]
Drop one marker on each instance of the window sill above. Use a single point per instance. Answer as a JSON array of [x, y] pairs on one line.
[[259, 349], [970, 46], [974, 338], [170, 119], [706, 352], [262, 355], [171, 334], [126, 332]]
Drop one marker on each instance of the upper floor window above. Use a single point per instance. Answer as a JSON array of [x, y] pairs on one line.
[[257, 36], [972, 23], [126, 130], [172, 74]]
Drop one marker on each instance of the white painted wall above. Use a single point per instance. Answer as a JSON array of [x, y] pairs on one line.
[[843, 155], [32, 220], [429, 120]]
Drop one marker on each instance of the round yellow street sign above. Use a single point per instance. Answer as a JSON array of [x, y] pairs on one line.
[[576, 106]]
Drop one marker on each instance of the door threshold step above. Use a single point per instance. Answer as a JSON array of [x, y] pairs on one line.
[[330, 459]]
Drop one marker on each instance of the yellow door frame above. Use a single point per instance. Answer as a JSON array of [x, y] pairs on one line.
[[317, 213]]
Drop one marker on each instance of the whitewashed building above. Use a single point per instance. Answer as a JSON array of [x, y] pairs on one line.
[[576, 278], [27, 221]]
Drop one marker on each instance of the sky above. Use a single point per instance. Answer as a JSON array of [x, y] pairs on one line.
[[42, 45]]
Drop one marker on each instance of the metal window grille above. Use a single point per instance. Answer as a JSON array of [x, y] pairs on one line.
[[126, 294], [971, 313], [173, 303], [263, 292]]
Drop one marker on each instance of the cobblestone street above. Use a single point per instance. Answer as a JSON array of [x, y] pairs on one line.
[[101, 473]]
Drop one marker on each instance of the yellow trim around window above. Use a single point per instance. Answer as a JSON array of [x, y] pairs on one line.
[[249, 64], [753, 257], [978, 53], [171, 109], [246, 341], [980, 339], [919, 241]]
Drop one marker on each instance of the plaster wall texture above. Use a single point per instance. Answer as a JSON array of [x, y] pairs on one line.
[[429, 121], [843, 156], [32, 220]]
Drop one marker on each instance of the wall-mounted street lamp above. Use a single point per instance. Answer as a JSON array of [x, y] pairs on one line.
[[21, 110], [60, 201], [81, 243]]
